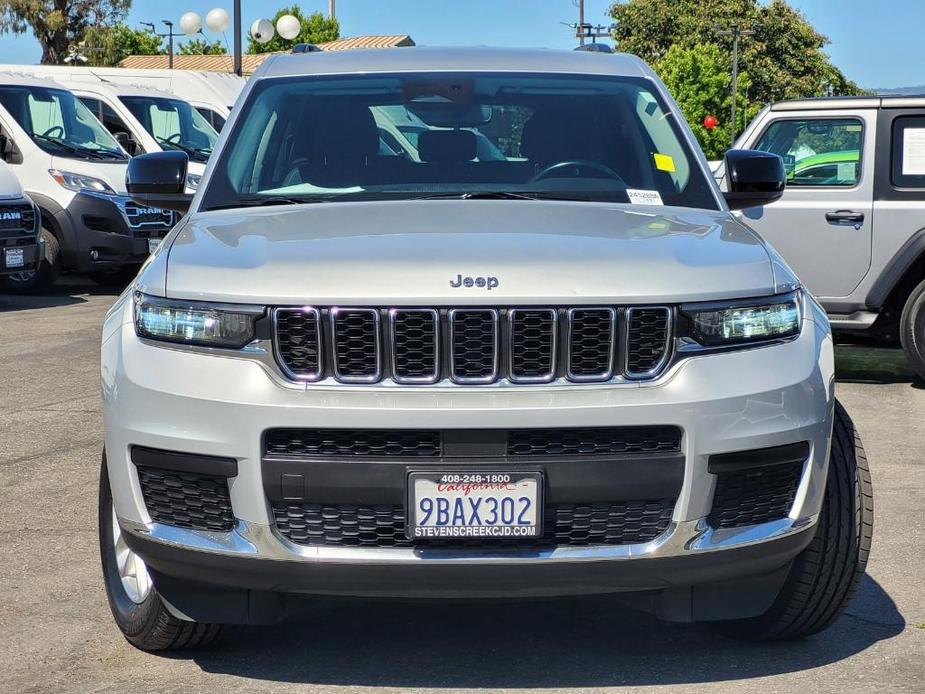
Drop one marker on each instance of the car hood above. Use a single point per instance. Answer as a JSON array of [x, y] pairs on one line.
[[407, 253]]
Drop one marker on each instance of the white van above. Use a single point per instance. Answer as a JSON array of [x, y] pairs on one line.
[[19, 226], [212, 94], [74, 171], [142, 119]]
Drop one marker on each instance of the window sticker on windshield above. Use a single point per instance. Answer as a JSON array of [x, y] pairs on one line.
[[914, 152], [664, 162], [853, 128], [644, 197]]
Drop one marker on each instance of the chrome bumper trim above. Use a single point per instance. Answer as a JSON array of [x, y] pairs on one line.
[[262, 542]]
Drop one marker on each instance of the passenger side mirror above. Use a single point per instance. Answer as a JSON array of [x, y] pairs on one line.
[[127, 143], [158, 179], [8, 150], [753, 178]]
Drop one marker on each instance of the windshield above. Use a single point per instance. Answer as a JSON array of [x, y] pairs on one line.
[[405, 136], [59, 123], [174, 124]]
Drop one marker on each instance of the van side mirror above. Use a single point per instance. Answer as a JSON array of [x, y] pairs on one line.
[[8, 150], [158, 179], [127, 143], [753, 178]]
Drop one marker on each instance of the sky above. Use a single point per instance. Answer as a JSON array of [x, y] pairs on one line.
[[876, 44]]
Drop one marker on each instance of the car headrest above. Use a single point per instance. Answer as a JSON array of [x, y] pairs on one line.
[[343, 132], [447, 146]]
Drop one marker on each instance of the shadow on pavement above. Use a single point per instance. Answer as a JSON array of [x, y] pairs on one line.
[[64, 293], [590, 642]]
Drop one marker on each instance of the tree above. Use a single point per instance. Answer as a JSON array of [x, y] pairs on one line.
[[107, 45], [316, 28], [202, 47], [59, 24], [698, 78], [784, 58]]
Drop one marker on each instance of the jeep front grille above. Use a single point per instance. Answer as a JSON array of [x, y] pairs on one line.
[[473, 346]]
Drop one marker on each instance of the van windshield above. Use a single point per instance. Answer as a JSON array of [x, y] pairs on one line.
[[174, 124], [59, 123], [415, 135]]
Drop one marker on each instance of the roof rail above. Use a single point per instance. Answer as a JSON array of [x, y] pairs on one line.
[[306, 48]]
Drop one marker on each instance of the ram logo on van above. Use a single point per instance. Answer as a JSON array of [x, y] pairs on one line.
[[11, 216], [483, 282]]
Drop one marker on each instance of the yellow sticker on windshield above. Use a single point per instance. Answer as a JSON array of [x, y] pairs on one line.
[[664, 163]]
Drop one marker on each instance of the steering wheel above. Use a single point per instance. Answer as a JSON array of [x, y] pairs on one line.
[[174, 139], [546, 172], [54, 129]]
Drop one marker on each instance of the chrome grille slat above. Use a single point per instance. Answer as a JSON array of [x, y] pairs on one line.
[[533, 344], [415, 337], [297, 342], [472, 345], [592, 342], [648, 340], [357, 343]]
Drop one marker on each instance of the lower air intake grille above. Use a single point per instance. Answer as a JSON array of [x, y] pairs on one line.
[[186, 500], [754, 496], [648, 334], [420, 443], [594, 441], [626, 523]]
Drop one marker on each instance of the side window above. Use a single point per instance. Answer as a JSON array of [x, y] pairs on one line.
[[907, 169], [817, 151], [95, 106]]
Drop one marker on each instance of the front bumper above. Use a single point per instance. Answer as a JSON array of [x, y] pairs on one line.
[[176, 400], [107, 233]]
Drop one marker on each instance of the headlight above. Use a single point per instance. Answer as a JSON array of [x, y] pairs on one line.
[[79, 182], [195, 323], [742, 322], [193, 181]]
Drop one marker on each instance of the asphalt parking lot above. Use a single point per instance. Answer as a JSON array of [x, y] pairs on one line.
[[56, 633]]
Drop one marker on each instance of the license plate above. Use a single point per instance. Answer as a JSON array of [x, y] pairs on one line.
[[14, 257], [491, 505], [153, 245]]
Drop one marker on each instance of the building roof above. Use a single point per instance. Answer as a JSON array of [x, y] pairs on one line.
[[225, 63]]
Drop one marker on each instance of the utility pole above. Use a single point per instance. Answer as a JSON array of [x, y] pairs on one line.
[[735, 33], [581, 22], [332, 11]]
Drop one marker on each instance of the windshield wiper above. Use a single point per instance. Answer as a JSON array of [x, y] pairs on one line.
[[263, 202], [191, 151], [480, 195], [76, 149]]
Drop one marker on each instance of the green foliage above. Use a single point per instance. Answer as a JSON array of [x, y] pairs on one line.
[[783, 59], [698, 78], [316, 28], [107, 45], [202, 47], [59, 25]]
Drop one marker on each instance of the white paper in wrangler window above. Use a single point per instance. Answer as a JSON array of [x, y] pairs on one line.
[[914, 152]]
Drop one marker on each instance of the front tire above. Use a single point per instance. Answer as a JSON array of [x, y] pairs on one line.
[[824, 576], [136, 606], [912, 329]]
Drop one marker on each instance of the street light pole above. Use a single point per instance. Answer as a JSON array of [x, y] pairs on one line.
[[735, 32], [332, 10], [238, 62], [169, 37]]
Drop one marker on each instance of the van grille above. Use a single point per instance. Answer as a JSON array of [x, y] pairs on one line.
[[473, 346], [19, 219]]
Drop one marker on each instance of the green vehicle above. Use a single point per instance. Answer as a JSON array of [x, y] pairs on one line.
[[828, 168]]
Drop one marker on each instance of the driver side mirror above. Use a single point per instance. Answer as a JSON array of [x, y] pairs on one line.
[[127, 143], [753, 178], [158, 179]]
